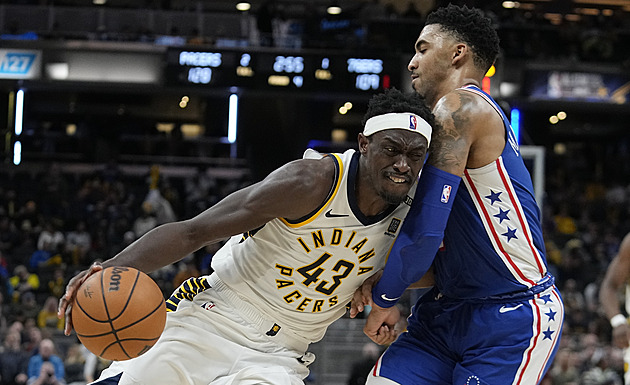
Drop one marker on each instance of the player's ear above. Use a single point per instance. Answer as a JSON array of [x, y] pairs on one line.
[[459, 53], [363, 143]]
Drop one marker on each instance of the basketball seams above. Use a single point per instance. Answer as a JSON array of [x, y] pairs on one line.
[[129, 295], [115, 329], [130, 304], [109, 318]]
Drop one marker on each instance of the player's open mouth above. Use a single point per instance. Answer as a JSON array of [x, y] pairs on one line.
[[397, 179]]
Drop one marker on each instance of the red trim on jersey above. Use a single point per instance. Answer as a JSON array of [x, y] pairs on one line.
[[502, 173], [555, 339], [493, 231], [532, 346]]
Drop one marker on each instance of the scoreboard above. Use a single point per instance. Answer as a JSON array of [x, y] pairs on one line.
[[307, 71]]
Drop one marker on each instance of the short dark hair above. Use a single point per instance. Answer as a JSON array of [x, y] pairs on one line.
[[473, 28], [393, 100]]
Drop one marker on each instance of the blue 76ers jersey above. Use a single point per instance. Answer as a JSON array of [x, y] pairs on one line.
[[493, 242]]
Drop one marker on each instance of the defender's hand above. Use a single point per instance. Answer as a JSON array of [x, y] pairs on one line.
[[65, 304], [380, 325]]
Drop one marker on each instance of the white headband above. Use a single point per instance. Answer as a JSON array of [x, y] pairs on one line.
[[398, 120]]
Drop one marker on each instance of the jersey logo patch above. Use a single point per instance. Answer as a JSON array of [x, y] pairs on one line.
[[274, 330], [329, 214], [393, 226], [388, 299], [446, 193]]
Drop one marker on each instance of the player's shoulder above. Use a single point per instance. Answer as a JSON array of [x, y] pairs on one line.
[[306, 173], [464, 109]]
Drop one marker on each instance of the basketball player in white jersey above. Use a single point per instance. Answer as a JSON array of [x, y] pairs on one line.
[[302, 241], [617, 277]]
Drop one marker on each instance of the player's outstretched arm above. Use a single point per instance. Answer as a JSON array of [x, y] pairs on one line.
[[617, 274], [292, 191]]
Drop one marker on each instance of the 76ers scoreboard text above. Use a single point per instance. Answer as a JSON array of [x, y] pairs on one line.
[[265, 70]]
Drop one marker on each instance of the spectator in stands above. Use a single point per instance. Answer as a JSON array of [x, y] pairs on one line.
[[46, 367], [186, 269], [29, 218], [22, 282], [78, 243], [47, 316], [13, 360], [74, 365], [32, 337], [564, 370], [57, 283], [50, 238], [26, 308], [9, 236], [49, 245], [146, 221], [4, 310]]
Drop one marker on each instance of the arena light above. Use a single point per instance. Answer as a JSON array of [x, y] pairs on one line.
[[232, 118], [515, 122], [243, 6], [19, 111], [17, 153], [333, 10]]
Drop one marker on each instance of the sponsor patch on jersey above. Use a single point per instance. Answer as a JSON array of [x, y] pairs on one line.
[[274, 330], [393, 226], [208, 305], [446, 193]]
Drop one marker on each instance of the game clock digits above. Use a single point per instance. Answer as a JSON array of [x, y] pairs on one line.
[[272, 70]]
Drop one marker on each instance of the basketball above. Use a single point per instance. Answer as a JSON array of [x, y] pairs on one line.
[[119, 313]]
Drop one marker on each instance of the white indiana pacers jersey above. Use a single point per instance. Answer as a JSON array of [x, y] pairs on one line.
[[302, 274]]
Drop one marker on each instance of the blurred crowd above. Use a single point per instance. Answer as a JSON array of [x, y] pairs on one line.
[[54, 224], [546, 31]]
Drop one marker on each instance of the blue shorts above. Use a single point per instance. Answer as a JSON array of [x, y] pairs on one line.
[[493, 341]]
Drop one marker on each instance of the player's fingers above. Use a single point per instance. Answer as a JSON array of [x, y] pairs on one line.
[[68, 326], [71, 288], [385, 335], [356, 305]]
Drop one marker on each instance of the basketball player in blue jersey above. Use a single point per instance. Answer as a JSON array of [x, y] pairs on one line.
[[494, 316], [302, 241], [617, 279]]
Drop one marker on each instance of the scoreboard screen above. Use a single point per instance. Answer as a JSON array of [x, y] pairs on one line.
[[272, 70]]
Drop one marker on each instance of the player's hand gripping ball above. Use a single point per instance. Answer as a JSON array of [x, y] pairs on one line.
[[119, 313]]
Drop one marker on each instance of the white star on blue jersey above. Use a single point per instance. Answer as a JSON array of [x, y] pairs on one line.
[[494, 197]]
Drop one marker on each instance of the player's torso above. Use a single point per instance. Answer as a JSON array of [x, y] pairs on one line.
[[306, 272], [493, 241]]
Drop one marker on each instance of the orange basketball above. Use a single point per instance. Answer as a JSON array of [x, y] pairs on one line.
[[119, 313]]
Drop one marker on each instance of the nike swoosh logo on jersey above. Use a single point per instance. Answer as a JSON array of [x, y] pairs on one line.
[[329, 214], [505, 309], [388, 299]]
